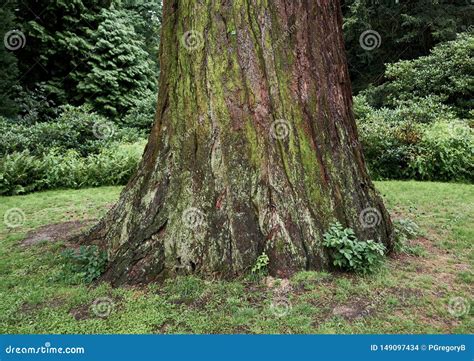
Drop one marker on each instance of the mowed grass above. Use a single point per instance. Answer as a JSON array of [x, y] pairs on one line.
[[410, 294]]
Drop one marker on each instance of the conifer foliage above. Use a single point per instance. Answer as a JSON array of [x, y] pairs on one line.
[[119, 70]]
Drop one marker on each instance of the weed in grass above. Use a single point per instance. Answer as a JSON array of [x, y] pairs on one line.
[[85, 264], [260, 268]]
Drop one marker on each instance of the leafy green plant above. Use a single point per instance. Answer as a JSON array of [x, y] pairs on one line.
[[349, 253], [24, 172], [260, 267], [446, 73], [76, 128], [141, 114], [20, 173], [406, 230], [422, 141], [445, 153], [85, 264], [442, 78], [418, 124]]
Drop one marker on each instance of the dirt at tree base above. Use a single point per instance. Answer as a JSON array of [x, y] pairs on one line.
[[56, 232]]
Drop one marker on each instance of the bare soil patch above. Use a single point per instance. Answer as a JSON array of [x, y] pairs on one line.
[[56, 232]]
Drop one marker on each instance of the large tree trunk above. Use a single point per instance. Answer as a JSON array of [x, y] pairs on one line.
[[254, 148]]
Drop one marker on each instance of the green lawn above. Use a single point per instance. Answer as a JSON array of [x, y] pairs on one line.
[[410, 294]]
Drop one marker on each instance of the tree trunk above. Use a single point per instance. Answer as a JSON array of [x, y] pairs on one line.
[[254, 147]]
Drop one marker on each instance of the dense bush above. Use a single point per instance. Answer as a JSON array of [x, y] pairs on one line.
[[446, 73], [421, 140], [445, 152], [84, 51], [408, 29], [23, 172], [418, 124], [443, 77], [8, 62], [76, 128], [141, 114]]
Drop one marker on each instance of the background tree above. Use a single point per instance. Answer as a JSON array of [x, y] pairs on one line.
[[119, 70], [8, 62], [147, 23], [254, 148], [407, 28], [57, 33]]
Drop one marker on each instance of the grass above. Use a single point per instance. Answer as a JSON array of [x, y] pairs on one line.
[[410, 294]]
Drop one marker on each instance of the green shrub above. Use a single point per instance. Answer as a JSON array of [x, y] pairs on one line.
[[389, 143], [260, 268], [35, 105], [23, 172], [141, 115], [445, 75], [349, 253], [77, 128], [415, 141], [445, 152], [420, 110], [83, 265], [406, 229]]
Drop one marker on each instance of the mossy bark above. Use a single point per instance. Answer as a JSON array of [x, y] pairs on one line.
[[254, 147]]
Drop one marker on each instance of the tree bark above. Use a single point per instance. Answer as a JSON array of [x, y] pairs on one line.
[[254, 147]]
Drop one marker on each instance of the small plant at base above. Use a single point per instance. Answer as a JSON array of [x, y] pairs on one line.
[[86, 264], [349, 253], [405, 230], [260, 267]]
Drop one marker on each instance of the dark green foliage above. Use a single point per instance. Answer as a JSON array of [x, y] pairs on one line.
[[120, 71], [77, 128], [419, 141], [35, 106], [57, 33], [8, 64], [408, 29], [147, 23], [417, 125], [83, 265], [447, 74], [23, 172], [349, 253], [141, 115], [88, 51]]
